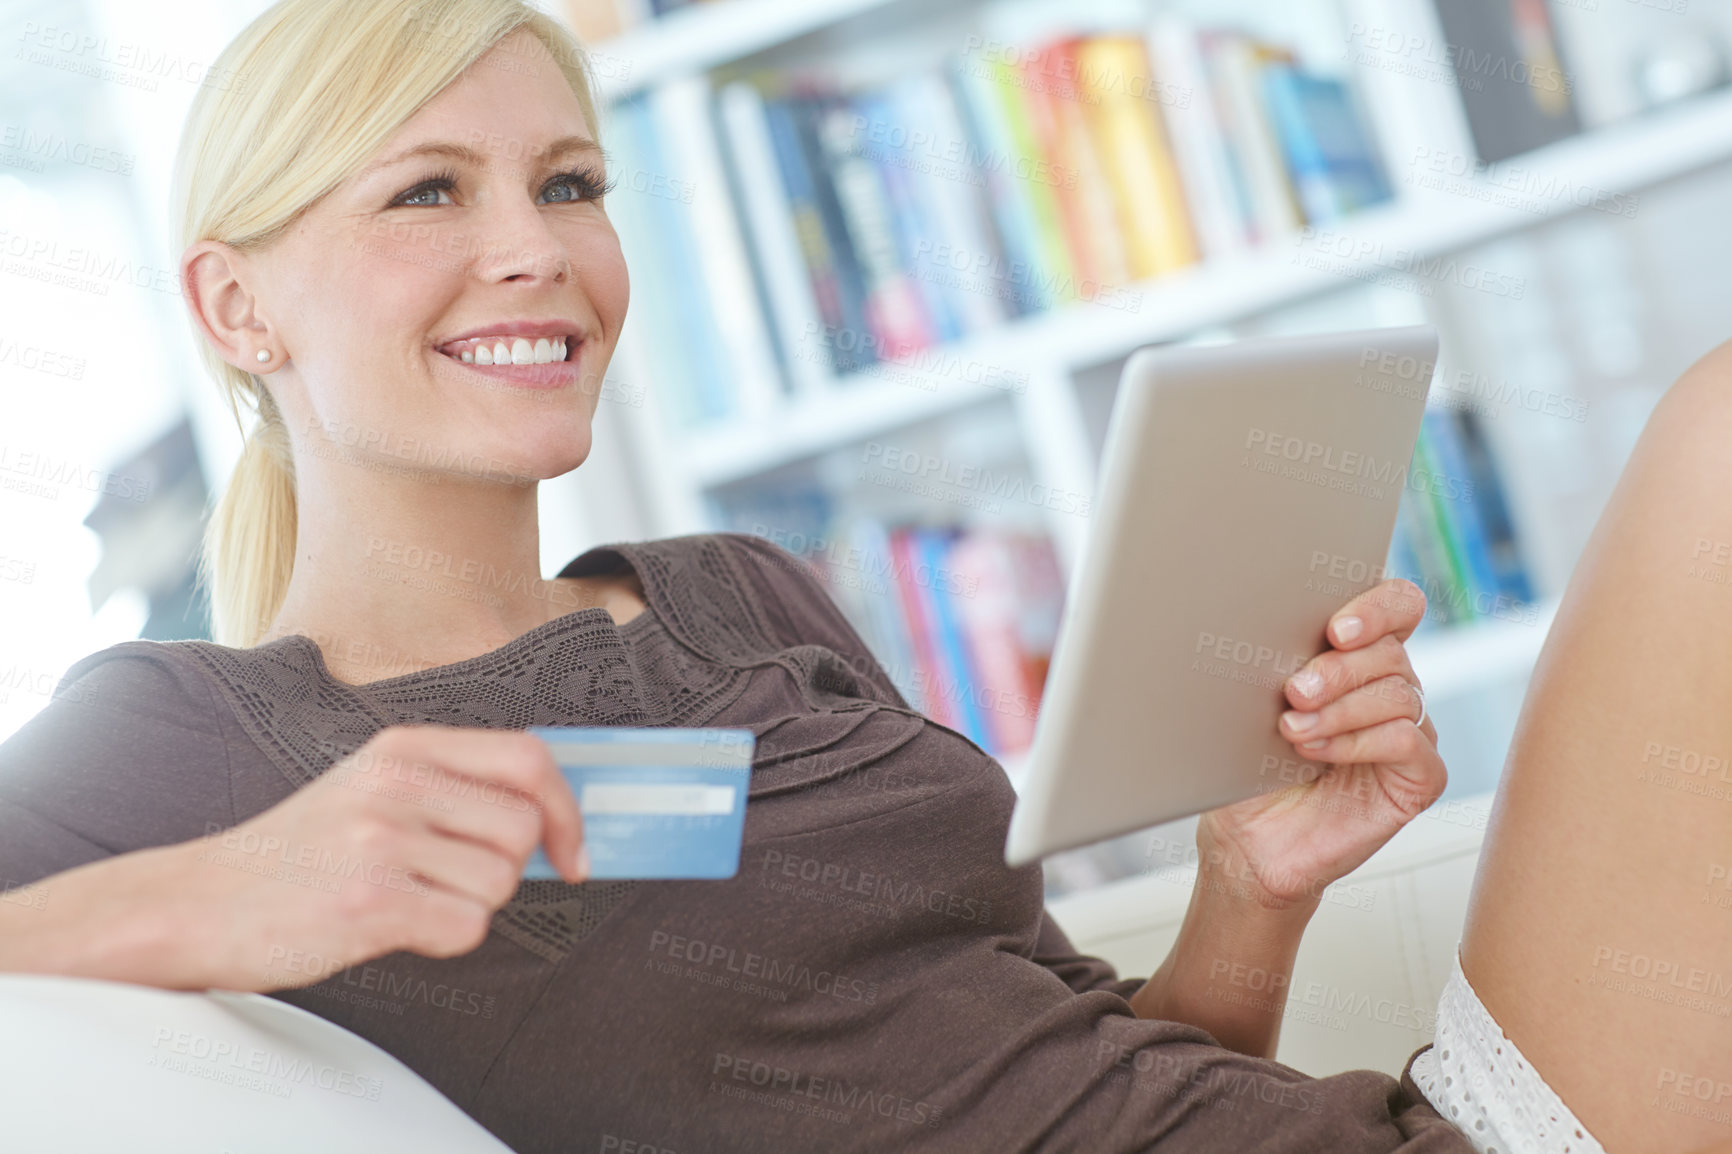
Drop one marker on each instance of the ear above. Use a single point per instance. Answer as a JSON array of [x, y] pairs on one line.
[[217, 280]]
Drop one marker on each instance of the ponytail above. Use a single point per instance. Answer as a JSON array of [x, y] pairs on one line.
[[249, 543]]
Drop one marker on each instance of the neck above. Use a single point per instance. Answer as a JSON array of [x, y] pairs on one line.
[[397, 573]]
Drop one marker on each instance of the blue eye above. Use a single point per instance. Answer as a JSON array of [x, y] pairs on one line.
[[439, 182], [590, 185]]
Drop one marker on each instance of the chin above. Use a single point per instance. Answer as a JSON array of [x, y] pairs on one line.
[[549, 449]]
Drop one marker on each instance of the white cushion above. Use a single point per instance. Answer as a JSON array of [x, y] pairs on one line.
[[1365, 986], [106, 1066]]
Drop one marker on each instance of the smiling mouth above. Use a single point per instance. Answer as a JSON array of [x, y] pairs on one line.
[[508, 350]]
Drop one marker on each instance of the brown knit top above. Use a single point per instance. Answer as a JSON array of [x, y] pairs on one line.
[[874, 979]]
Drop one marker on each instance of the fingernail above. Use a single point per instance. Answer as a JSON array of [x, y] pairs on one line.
[[1347, 628], [1299, 721], [582, 863], [1318, 744], [1307, 683]]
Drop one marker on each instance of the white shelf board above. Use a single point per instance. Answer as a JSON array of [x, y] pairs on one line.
[[852, 413], [706, 36], [1618, 160]]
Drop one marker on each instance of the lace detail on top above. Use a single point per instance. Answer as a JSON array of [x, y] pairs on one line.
[[578, 669], [1477, 1078]]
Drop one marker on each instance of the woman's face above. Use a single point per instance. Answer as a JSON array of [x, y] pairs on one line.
[[480, 218]]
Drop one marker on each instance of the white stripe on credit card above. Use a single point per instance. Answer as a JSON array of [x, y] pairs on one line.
[[668, 800], [717, 755]]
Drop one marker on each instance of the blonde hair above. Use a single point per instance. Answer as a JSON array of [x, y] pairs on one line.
[[297, 103]]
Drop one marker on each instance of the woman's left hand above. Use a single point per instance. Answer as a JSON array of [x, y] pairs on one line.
[[1353, 712]]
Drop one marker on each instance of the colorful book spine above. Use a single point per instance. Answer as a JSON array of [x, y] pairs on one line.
[[910, 215], [1107, 263], [1035, 168], [1404, 562], [986, 601], [962, 677], [931, 669], [964, 247], [979, 106], [1427, 483], [1328, 154], [1453, 491], [1441, 583], [883, 623], [1235, 64], [893, 306], [823, 264], [850, 347], [649, 241], [724, 290], [1488, 492], [1453, 537], [1133, 149], [791, 292], [1040, 592], [1045, 93], [1199, 144]]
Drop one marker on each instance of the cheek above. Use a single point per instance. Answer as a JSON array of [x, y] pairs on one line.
[[606, 281]]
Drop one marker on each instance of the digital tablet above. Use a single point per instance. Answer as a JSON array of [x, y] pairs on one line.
[[1247, 492]]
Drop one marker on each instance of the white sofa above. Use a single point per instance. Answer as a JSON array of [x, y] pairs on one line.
[[1364, 989], [91, 1067], [97, 1067]]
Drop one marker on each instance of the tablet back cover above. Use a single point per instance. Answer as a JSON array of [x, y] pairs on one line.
[[1247, 492]]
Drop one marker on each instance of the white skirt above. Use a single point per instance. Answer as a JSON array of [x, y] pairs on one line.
[[1477, 1078]]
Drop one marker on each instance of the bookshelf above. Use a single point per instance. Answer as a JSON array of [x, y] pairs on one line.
[[708, 36], [1622, 159], [1029, 394]]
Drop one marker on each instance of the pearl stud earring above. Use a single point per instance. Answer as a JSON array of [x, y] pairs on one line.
[[264, 355]]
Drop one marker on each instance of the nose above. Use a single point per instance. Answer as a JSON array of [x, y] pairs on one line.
[[518, 246]]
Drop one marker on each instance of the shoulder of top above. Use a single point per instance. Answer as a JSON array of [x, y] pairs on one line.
[[156, 677], [768, 560], [772, 569]]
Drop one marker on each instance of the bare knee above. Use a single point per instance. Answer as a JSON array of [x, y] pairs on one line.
[[1698, 405]]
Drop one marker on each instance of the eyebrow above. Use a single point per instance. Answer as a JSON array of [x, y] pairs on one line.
[[561, 147]]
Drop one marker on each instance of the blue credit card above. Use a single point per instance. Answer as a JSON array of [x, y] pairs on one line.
[[656, 802]]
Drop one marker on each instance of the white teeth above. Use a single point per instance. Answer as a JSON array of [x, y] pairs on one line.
[[519, 351]]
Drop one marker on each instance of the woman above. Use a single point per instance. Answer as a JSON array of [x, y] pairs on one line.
[[334, 803]]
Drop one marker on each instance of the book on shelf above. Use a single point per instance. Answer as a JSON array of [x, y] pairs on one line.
[[1515, 88], [963, 620], [1332, 169], [596, 20], [980, 616], [696, 291], [892, 218], [1453, 536], [683, 110], [642, 209]]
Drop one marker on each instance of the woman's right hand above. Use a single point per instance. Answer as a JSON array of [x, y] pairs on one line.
[[410, 843]]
